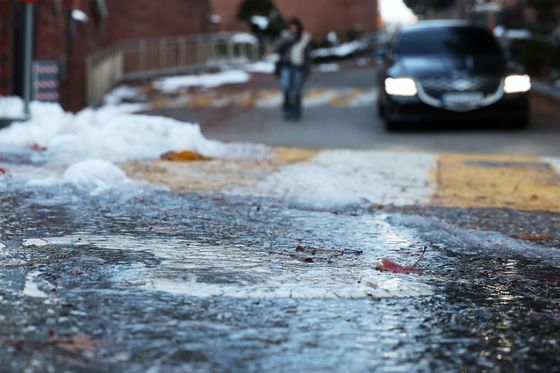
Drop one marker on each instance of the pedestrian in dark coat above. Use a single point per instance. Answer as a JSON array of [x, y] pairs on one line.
[[293, 66]]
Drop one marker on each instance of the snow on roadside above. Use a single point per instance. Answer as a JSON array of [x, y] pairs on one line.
[[244, 38], [263, 67], [100, 174], [120, 94], [82, 148], [11, 107], [110, 134], [342, 50], [178, 83], [339, 177]]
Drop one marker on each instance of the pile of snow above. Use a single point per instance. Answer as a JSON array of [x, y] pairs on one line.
[[244, 38], [178, 83], [11, 108], [340, 51], [100, 174], [110, 134], [261, 22], [263, 67], [120, 94], [502, 32]]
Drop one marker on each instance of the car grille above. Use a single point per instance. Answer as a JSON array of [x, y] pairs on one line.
[[433, 91]]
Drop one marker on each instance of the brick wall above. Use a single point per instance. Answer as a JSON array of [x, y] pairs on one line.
[[6, 47], [227, 10], [69, 42], [319, 16], [322, 16]]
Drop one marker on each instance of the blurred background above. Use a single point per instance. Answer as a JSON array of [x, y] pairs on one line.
[[96, 52]]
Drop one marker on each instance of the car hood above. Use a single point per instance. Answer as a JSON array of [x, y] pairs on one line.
[[448, 66]]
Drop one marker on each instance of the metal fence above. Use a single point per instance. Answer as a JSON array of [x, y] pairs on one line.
[[148, 58]]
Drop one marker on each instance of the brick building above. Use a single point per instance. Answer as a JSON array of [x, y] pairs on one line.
[[64, 37], [319, 16]]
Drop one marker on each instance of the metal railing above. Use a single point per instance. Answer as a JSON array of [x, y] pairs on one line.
[[148, 58]]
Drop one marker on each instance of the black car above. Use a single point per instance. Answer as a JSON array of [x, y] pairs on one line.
[[450, 72]]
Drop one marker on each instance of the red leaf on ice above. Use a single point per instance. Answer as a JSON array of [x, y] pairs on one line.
[[38, 148], [390, 266], [3, 171]]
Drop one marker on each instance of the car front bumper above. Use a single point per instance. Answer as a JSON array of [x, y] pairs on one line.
[[511, 107]]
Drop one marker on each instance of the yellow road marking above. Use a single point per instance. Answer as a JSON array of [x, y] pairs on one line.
[[344, 100], [216, 175], [201, 101], [492, 181]]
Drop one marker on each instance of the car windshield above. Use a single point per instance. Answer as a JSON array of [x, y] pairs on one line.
[[450, 40]]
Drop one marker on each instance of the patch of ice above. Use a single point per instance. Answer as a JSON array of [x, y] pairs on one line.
[[31, 289], [178, 83], [95, 173], [34, 242], [253, 273], [339, 177], [474, 242], [394, 288]]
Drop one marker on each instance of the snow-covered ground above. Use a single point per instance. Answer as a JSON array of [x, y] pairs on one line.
[[183, 82], [341, 51], [86, 148]]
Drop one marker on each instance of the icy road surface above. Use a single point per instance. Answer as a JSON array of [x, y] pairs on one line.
[[103, 272]]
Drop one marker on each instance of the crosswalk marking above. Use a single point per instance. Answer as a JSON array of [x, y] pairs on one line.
[[268, 99]]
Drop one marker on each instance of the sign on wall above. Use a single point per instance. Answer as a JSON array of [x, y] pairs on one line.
[[45, 81]]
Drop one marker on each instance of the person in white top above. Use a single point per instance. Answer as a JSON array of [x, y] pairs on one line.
[[293, 67]]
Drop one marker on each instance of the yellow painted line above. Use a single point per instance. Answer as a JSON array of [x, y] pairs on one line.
[[491, 181], [201, 101], [344, 100], [214, 175]]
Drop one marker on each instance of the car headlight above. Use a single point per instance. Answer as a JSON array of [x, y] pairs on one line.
[[517, 84], [400, 87]]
